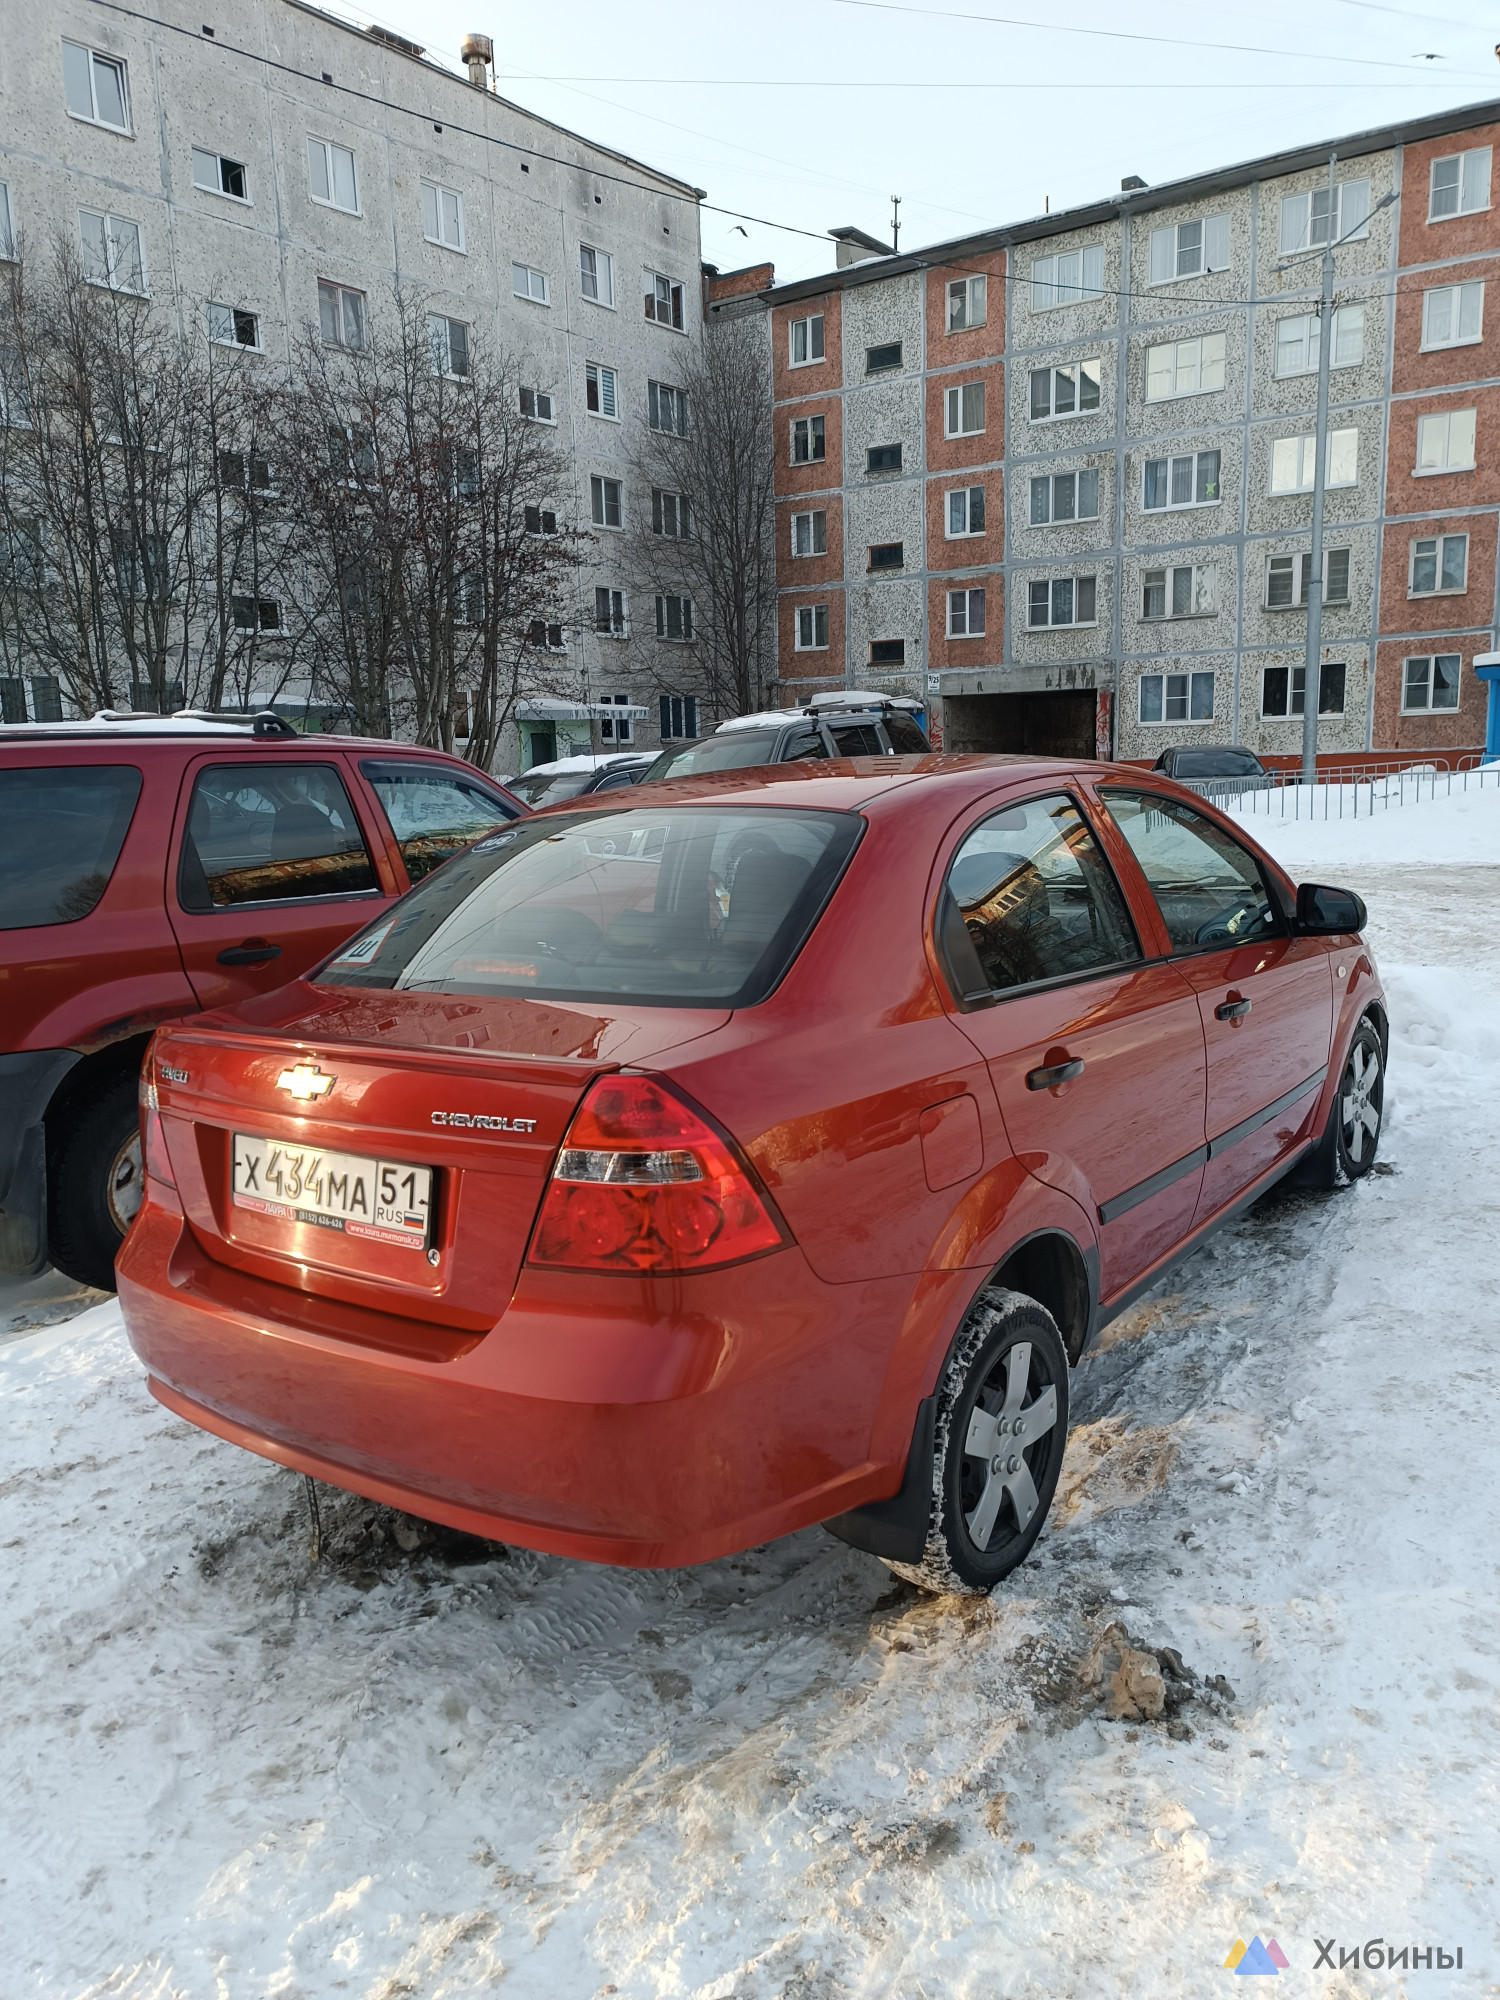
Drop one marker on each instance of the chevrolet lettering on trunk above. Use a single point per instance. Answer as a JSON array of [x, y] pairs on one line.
[[479, 1121]]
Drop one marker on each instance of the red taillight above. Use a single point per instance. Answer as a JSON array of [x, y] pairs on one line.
[[153, 1139], [643, 1182]]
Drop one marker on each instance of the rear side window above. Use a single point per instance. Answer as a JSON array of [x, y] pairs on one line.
[[681, 906], [1210, 891], [61, 831], [433, 812], [907, 739], [804, 746], [857, 739], [1215, 764], [271, 833]]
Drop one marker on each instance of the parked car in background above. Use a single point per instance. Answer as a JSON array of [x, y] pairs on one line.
[[153, 866], [831, 725], [1216, 771], [680, 1167], [575, 777]]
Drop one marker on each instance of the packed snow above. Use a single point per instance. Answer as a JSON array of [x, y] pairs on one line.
[[428, 1767]]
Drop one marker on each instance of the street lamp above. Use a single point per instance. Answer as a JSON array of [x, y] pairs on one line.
[[1312, 674]]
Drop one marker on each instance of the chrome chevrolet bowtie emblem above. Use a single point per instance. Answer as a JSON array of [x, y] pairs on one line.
[[305, 1080]]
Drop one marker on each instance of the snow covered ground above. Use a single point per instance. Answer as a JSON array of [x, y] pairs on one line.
[[425, 1767]]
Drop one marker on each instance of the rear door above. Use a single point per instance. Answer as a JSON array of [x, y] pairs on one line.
[[433, 809]]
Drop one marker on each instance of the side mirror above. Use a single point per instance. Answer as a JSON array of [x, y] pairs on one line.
[[1324, 912]]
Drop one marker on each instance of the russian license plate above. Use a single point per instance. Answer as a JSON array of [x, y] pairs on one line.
[[384, 1201]]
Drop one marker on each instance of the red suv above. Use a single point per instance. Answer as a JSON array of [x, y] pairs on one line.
[[687, 1165], [153, 867]]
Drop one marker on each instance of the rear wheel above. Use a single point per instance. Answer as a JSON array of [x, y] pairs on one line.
[[94, 1184]]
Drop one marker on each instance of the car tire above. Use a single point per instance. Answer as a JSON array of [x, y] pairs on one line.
[[1351, 1139], [989, 1500], [95, 1180]]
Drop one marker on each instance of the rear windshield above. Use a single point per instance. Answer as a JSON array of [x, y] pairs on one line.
[[1215, 764], [545, 788], [61, 832], [736, 750], [684, 905]]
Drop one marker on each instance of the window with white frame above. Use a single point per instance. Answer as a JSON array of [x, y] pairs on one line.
[[1176, 697], [1185, 367], [216, 173], [1289, 579], [679, 716], [537, 405], [674, 618], [330, 176], [442, 215], [1439, 566], [671, 515], [246, 472], [1185, 479], [1445, 442], [112, 252], [663, 299], [228, 326], [1460, 184], [539, 521], [450, 346], [805, 340], [1283, 689], [1067, 279], [540, 633], [1181, 590], [255, 614], [1064, 392], [967, 302], [610, 613], [966, 614], [964, 512], [963, 410], [1189, 249], [526, 282], [7, 227], [1293, 465], [94, 87], [599, 389], [667, 409], [1453, 315], [604, 502], [341, 315], [810, 628], [1065, 496], [1061, 600], [810, 533], [596, 274], [15, 390], [1312, 218], [1430, 681], [1298, 341], [808, 440], [615, 729]]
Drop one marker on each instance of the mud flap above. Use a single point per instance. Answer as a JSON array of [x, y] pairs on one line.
[[897, 1528]]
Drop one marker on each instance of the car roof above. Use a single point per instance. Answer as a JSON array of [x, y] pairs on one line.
[[172, 728], [560, 765]]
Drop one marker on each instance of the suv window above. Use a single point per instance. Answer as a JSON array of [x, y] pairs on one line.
[[1209, 890], [271, 833], [907, 739], [433, 812], [1034, 899], [61, 831], [735, 750], [857, 739], [1213, 764], [803, 746]]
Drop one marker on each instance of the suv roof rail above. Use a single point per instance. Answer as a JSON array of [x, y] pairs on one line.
[[269, 723]]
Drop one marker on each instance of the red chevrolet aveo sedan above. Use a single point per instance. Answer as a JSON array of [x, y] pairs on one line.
[[667, 1175]]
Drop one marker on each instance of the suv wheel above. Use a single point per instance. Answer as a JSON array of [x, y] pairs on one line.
[[1002, 1426], [94, 1185]]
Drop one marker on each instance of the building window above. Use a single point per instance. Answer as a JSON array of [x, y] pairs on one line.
[[540, 633], [1064, 496], [245, 472], [674, 618], [807, 440], [255, 614], [596, 275], [609, 613], [341, 314], [539, 521], [965, 614], [679, 716], [1064, 392], [667, 409], [1289, 579], [468, 609], [963, 410], [1065, 280], [442, 215], [1292, 467], [1298, 341], [883, 458], [887, 652], [528, 283], [112, 253], [1310, 219], [1061, 600], [599, 389], [330, 174], [1190, 479], [965, 515], [1185, 367], [805, 340], [604, 501], [1189, 249], [887, 555], [810, 534], [215, 174], [94, 87], [450, 346], [1183, 591], [1430, 682], [1176, 698], [811, 634], [966, 302], [879, 359], [229, 327], [7, 228], [537, 405], [1445, 443], [671, 515], [1439, 565], [663, 300], [1453, 315], [1283, 689], [1460, 184], [616, 729]]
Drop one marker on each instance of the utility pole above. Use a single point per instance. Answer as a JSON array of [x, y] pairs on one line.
[[895, 222]]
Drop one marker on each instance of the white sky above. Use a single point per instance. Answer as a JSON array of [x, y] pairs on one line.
[[812, 113]]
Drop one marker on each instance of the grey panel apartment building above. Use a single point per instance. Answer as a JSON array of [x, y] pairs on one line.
[[282, 165], [1057, 477]]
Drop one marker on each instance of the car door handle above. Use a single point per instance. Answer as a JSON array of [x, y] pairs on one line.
[[254, 951], [1232, 1010], [1063, 1072]]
